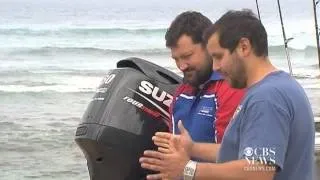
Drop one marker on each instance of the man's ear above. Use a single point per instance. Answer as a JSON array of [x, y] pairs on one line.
[[244, 47]]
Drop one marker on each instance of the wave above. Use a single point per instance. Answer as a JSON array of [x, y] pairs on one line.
[[48, 51], [53, 83], [28, 83], [38, 89], [305, 76], [52, 70], [79, 31], [55, 71], [279, 48]]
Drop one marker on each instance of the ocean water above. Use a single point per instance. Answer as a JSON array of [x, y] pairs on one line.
[[54, 54]]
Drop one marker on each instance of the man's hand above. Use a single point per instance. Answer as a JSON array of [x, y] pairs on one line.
[[161, 139], [173, 155]]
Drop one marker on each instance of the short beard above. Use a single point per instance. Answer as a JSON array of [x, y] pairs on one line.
[[202, 75], [238, 76], [237, 84]]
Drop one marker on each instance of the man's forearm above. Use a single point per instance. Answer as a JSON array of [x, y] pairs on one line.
[[234, 170], [205, 151]]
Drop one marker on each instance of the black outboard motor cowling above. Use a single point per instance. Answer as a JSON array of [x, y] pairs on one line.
[[130, 105]]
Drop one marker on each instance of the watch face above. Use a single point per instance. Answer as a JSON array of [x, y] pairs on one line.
[[189, 171]]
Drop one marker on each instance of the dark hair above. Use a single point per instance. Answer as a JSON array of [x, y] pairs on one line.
[[190, 23], [234, 25]]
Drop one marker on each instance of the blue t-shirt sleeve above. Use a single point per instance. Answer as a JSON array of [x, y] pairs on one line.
[[264, 133]]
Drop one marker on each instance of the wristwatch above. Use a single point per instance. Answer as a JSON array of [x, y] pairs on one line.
[[189, 170]]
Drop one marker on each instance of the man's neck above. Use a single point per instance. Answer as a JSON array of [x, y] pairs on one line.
[[258, 70]]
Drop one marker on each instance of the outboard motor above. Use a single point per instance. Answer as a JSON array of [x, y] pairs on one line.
[[130, 105]]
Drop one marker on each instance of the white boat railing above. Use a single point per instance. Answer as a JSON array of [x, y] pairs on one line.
[[317, 142], [317, 119]]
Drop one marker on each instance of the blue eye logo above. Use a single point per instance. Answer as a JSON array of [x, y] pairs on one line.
[[248, 151]]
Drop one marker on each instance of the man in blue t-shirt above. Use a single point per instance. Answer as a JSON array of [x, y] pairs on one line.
[[271, 135], [273, 125]]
